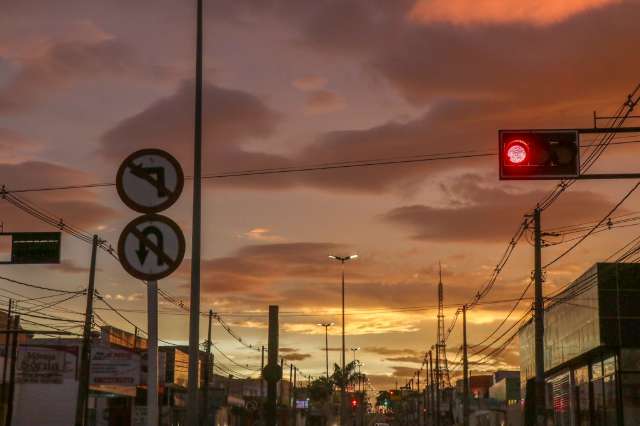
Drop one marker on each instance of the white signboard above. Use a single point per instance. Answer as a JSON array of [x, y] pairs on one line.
[[149, 180], [151, 247], [40, 365], [111, 366]]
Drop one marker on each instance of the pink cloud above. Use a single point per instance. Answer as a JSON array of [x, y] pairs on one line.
[[499, 11]]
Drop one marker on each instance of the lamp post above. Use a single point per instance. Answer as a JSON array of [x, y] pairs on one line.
[[354, 350], [326, 326], [342, 260]]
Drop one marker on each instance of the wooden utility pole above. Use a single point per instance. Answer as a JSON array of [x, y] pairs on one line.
[[465, 369], [85, 352]]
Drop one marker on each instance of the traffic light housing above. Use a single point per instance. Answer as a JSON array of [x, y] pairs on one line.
[[539, 154], [354, 403]]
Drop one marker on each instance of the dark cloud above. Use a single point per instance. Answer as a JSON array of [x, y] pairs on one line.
[[80, 208], [479, 213], [389, 351], [66, 63], [261, 268], [231, 118], [408, 359], [296, 356]]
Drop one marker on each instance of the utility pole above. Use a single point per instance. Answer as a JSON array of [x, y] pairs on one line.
[[12, 373], [433, 389], [194, 317], [539, 323], [6, 350], [85, 353], [152, 354], [272, 372], [437, 388], [261, 376], [207, 372], [281, 381], [465, 369], [425, 402]]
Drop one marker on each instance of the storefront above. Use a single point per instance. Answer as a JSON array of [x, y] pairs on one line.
[[591, 349]]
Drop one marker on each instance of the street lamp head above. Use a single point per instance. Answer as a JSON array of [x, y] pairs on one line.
[[326, 324], [343, 258]]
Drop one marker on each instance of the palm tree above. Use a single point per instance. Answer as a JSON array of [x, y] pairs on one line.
[[343, 379], [321, 390]]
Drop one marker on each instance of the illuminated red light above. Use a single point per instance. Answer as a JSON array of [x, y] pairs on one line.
[[517, 151]]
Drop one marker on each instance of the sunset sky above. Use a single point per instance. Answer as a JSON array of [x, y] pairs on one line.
[[295, 83]]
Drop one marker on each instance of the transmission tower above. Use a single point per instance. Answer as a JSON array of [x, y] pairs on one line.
[[442, 368]]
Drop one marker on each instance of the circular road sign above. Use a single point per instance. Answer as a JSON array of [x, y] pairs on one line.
[[149, 180], [151, 247]]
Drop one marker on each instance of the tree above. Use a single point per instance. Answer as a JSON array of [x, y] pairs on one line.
[[321, 390], [343, 379]]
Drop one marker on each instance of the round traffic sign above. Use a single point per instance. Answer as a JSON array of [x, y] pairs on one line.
[[149, 180], [151, 247], [272, 373]]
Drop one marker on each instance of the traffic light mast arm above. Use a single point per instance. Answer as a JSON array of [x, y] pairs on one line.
[[609, 176]]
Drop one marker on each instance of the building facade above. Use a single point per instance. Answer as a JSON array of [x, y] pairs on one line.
[[591, 349]]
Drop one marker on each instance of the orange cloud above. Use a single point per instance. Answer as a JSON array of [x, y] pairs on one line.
[[463, 12]]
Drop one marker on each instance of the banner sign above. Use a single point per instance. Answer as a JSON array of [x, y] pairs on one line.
[[40, 365], [111, 366], [34, 247]]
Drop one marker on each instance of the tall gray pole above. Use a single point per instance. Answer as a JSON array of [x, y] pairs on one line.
[[194, 318], [539, 323], [465, 369], [85, 352], [152, 354]]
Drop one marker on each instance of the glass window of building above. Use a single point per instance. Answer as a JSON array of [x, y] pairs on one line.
[[581, 378], [631, 398]]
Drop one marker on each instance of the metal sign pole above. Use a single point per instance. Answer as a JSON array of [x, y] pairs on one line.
[[152, 354]]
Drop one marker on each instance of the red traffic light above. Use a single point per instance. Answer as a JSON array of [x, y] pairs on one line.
[[539, 154], [517, 151], [354, 403]]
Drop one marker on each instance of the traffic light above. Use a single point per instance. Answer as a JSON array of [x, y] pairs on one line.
[[354, 403], [539, 154]]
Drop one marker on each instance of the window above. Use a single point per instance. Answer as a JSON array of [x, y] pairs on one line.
[[631, 398], [581, 377]]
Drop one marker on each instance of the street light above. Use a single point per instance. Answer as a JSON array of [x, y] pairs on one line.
[[354, 350], [343, 259], [326, 326]]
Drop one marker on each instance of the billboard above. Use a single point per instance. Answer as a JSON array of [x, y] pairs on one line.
[[111, 366], [40, 365]]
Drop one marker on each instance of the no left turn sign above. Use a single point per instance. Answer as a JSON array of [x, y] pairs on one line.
[[149, 180], [151, 247]]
